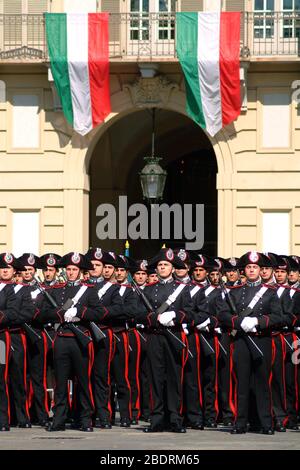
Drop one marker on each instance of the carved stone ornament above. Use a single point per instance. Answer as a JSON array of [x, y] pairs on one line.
[[151, 92]]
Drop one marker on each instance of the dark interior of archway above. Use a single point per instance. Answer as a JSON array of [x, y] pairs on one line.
[[191, 179], [188, 157]]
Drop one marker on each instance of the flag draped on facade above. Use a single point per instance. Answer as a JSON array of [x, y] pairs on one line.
[[208, 47], [78, 51]]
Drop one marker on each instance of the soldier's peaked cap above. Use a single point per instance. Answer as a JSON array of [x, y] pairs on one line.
[[49, 260], [29, 259], [75, 259], [167, 254], [254, 257], [97, 254], [8, 259]]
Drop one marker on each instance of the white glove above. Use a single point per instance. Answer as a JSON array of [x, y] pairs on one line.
[[184, 327], [248, 324], [203, 326], [218, 331], [297, 328], [70, 314], [140, 325], [166, 318]]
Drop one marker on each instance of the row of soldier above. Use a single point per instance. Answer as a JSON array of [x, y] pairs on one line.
[[175, 343]]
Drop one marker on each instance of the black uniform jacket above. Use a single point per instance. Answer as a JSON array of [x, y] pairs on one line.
[[8, 305], [89, 307], [157, 293], [267, 310]]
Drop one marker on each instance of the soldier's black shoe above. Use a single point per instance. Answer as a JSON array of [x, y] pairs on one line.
[[134, 421], [280, 427], [267, 431], [237, 430], [293, 427], [52, 428], [228, 422], [125, 423], [155, 429], [177, 428], [4, 428], [44, 423], [210, 424], [103, 425], [24, 425], [198, 426], [86, 429]]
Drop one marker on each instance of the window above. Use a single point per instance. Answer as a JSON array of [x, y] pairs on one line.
[[276, 232], [139, 23], [25, 121], [263, 19], [291, 18], [166, 24], [276, 120], [25, 232]]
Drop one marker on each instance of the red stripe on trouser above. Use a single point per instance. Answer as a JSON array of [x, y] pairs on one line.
[[7, 354], [126, 355], [45, 372], [183, 362], [91, 361], [137, 372], [71, 400], [110, 356], [24, 343], [232, 385], [295, 338], [283, 348], [270, 377], [217, 349], [198, 368]]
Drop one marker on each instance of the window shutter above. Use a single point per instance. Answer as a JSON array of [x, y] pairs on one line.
[[191, 5], [113, 6], [35, 28], [237, 5], [12, 24]]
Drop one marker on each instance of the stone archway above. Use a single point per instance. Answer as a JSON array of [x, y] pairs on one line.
[[171, 98]]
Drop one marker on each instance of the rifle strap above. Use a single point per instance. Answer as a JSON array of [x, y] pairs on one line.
[[257, 297], [194, 291], [292, 292], [171, 299], [104, 289], [280, 291], [17, 288], [2, 285], [122, 290], [79, 295], [209, 290]]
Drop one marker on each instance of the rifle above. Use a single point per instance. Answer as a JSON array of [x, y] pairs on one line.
[[83, 339], [96, 330], [176, 342], [255, 351]]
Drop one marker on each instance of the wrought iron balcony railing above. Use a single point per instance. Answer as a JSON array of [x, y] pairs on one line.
[[151, 36]]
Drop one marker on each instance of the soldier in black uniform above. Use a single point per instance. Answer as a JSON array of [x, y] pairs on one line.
[[77, 305], [121, 326], [8, 315], [192, 381], [18, 391], [139, 271], [252, 342], [37, 350], [137, 370], [166, 355], [108, 294]]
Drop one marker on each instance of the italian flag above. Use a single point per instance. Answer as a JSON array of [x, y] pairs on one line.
[[208, 48], [78, 51]]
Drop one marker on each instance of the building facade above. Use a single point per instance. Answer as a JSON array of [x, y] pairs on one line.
[[248, 175]]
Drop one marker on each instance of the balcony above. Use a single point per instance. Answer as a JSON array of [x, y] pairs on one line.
[[150, 37]]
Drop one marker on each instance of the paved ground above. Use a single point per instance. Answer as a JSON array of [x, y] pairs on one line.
[[134, 438]]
